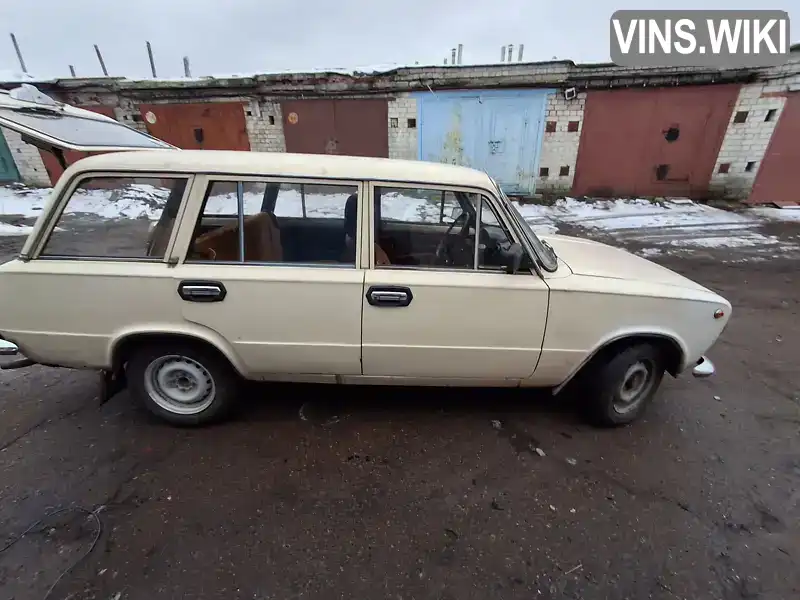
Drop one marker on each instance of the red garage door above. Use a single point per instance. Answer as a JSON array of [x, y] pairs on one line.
[[778, 177], [347, 127], [198, 126], [659, 142], [51, 163]]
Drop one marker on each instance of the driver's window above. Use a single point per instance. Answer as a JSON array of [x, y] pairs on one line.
[[495, 240], [424, 228]]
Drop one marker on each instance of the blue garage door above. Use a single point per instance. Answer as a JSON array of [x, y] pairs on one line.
[[496, 131], [8, 170]]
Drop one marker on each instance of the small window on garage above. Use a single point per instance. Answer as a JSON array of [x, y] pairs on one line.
[[740, 116], [572, 126], [750, 166], [771, 114], [412, 123], [117, 218], [550, 127], [724, 168]]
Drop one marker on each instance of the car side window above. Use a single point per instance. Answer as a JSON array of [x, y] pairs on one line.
[[117, 218], [424, 228], [495, 240], [284, 222]]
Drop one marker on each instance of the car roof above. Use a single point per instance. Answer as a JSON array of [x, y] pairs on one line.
[[285, 164]]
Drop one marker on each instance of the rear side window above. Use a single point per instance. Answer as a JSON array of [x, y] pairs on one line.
[[283, 222], [117, 218]]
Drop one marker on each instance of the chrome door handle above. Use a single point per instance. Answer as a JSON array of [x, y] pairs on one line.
[[202, 291], [389, 296]]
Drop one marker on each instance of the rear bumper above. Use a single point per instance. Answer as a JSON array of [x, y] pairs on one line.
[[703, 368]]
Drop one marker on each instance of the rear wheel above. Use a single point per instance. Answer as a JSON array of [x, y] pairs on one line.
[[183, 384], [616, 391]]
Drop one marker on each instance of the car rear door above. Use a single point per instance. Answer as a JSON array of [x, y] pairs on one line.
[[286, 305]]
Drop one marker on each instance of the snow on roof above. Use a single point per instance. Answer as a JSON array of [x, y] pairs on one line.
[[10, 76]]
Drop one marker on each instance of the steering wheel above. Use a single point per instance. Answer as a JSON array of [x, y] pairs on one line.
[[443, 254], [444, 249]]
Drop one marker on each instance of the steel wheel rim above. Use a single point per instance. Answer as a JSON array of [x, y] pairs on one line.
[[635, 386], [179, 384]]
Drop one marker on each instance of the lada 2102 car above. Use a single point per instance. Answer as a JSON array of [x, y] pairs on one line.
[[316, 268]]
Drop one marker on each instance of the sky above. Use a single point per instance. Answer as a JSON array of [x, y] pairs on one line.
[[261, 36]]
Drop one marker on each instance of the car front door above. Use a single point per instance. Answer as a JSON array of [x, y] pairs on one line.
[[440, 309], [264, 263]]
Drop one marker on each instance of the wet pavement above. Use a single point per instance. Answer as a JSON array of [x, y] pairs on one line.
[[445, 494]]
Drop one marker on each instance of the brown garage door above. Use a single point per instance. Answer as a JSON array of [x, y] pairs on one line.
[[778, 177], [347, 127], [660, 142], [198, 126], [51, 164]]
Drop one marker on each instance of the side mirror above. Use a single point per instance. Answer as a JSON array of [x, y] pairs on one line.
[[514, 258]]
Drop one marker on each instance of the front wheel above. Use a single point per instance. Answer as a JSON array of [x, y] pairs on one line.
[[617, 391], [182, 384]]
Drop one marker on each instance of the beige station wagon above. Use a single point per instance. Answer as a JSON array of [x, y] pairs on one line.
[[331, 269]]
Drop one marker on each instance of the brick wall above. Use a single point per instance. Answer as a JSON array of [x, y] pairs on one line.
[[560, 139], [745, 142], [28, 160], [403, 127], [265, 126], [127, 111], [748, 135]]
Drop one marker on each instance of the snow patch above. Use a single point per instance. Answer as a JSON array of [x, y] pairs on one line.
[[131, 202], [777, 214], [649, 252], [640, 213], [8, 229], [746, 240]]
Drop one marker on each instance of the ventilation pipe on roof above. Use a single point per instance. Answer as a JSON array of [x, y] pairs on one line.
[[511, 53], [503, 54], [521, 48], [458, 56]]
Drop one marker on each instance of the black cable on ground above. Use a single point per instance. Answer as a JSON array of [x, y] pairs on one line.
[[65, 572]]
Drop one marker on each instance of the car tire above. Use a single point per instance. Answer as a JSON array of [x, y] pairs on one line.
[[617, 390], [182, 383]]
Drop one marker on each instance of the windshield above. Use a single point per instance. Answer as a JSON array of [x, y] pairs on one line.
[[544, 253]]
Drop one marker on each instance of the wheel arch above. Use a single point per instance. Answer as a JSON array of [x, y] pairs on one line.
[[675, 350], [126, 341]]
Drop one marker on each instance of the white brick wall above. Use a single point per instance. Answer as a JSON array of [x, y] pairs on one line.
[[265, 126], [127, 112], [747, 142], [28, 160], [402, 138], [560, 148]]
